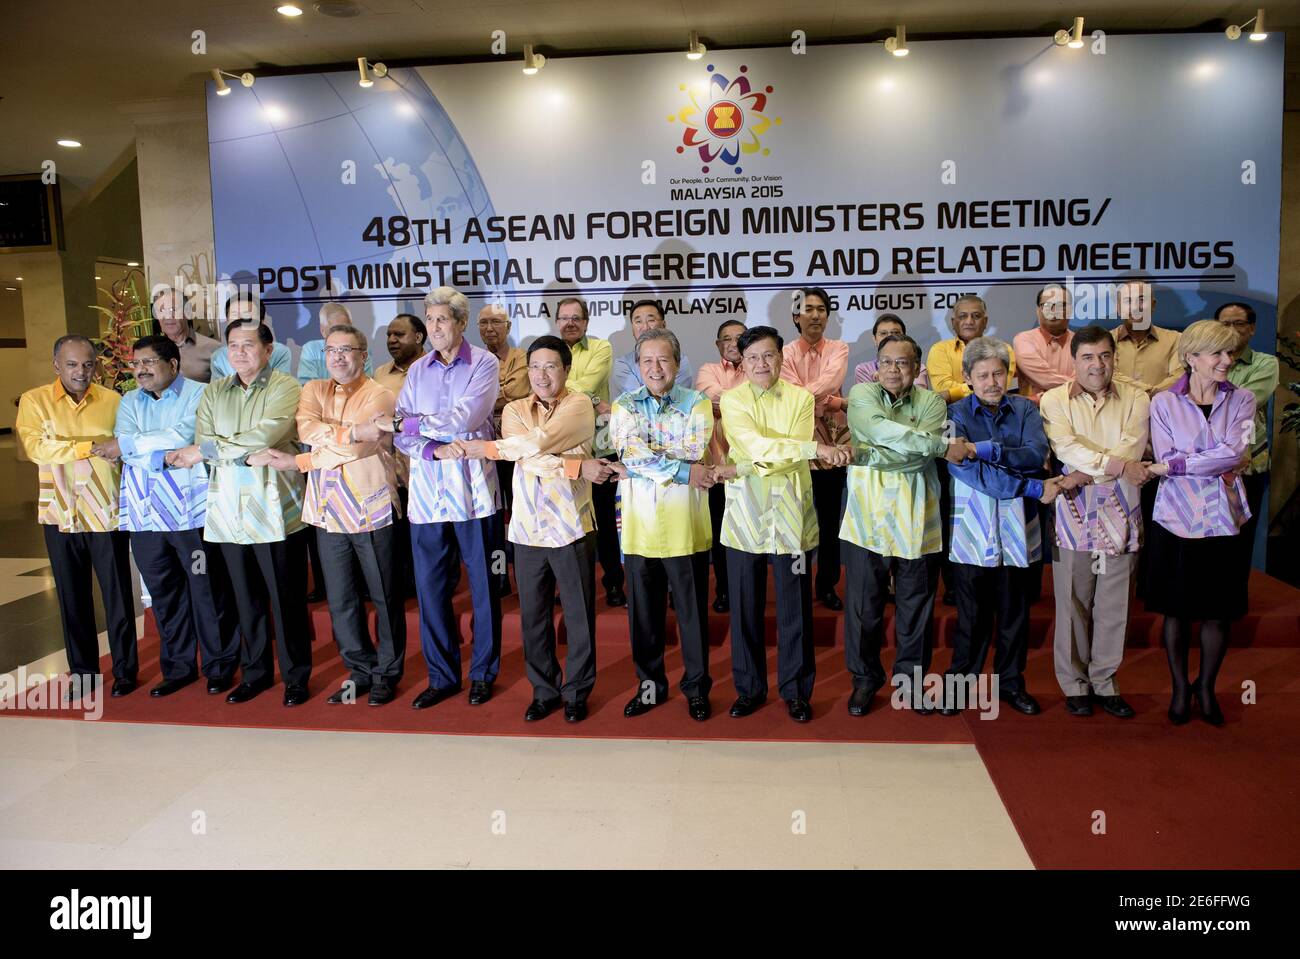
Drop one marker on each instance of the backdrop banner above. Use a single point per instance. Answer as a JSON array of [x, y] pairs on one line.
[[718, 185]]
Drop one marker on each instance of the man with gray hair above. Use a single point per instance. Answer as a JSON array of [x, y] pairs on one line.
[[311, 361], [661, 433], [996, 539], [449, 395]]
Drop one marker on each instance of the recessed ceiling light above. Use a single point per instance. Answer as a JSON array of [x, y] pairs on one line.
[[133, 263], [288, 10], [69, 143], [99, 277], [11, 289], [18, 279]]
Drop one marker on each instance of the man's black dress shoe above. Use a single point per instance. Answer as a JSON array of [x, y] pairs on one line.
[[831, 601], [636, 706], [924, 710], [947, 710], [860, 701], [615, 596], [296, 694], [381, 694], [1116, 706], [744, 705], [1022, 702], [1078, 705], [316, 596], [169, 686], [123, 687], [432, 696], [219, 684], [575, 712], [348, 693], [799, 710], [538, 709], [699, 709], [721, 604], [246, 691], [479, 692]]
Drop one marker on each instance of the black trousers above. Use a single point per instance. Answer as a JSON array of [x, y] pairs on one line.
[[717, 508], [374, 553], [192, 603], [795, 666], [828, 500], [313, 559], [73, 556], [915, 581], [506, 477], [607, 545], [648, 581], [1255, 485], [983, 594], [403, 567], [539, 569], [274, 575]]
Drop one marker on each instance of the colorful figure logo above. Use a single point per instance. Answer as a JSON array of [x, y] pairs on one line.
[[724, 119]]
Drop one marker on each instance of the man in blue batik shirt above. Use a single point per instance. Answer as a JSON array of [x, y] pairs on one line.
[[996, 535]]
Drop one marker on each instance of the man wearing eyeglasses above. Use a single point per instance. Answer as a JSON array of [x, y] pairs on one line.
[[1044, 352], [164, 508], [352, 501]]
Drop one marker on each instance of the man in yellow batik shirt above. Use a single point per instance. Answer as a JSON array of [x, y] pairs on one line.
[[661, 432], [66, 429], [770, 519]]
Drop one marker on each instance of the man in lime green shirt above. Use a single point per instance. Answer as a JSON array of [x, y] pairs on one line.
[[893, 519], [770, 519]]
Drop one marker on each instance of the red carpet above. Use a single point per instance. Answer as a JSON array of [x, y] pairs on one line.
[[1173, 797]]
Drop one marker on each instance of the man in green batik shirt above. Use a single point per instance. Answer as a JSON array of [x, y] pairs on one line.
[[255, 510], [892, 520]]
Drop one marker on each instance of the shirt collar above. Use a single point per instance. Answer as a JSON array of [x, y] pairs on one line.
[[174, 388], [259, 381], [1122, 332], [1247, 357], [60, 392], [1077, 390], [676, 398], [1184, 385], [537, 401], [582, 344], [803, 347], [463, 355], [1061, 340], [775, 390], [903, 397], [350, 388], [975, 406]]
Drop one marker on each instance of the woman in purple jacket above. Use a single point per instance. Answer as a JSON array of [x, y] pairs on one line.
[[1201, 432]]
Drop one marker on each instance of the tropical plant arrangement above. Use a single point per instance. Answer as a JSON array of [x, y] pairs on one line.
[[121, 325]]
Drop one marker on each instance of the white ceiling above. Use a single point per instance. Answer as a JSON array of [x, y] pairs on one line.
[[82, 68]]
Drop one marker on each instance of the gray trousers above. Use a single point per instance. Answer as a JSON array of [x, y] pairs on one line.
[[1091, 619]]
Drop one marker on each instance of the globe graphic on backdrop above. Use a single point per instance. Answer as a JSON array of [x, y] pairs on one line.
[[319, 157]]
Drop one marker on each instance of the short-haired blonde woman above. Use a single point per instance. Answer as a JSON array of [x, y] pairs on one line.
[[1201, 433]]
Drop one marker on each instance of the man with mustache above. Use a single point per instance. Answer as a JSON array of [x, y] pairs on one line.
[[164, 508], [66, 429]]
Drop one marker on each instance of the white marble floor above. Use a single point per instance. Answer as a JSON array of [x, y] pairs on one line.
[[94, 794]]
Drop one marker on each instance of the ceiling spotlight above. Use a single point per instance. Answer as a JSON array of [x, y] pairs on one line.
[[696, 49], [218, 77], [68, 143], [897, 44], [365, 67], [18, 279], [1071, 38], [1256, 34], [533, 61], [133, 263], [288, 10]]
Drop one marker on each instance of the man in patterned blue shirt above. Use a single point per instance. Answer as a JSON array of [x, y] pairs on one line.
[[995, 530], [163, 508]]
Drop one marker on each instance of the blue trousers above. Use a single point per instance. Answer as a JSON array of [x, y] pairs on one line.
[[437, 550]]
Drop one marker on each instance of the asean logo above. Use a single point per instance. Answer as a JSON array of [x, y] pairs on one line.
[[724, 119]]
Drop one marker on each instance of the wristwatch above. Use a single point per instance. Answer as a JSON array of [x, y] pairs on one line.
[[397, 422]]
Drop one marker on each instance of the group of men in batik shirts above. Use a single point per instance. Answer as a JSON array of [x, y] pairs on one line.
[[220, 468]]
